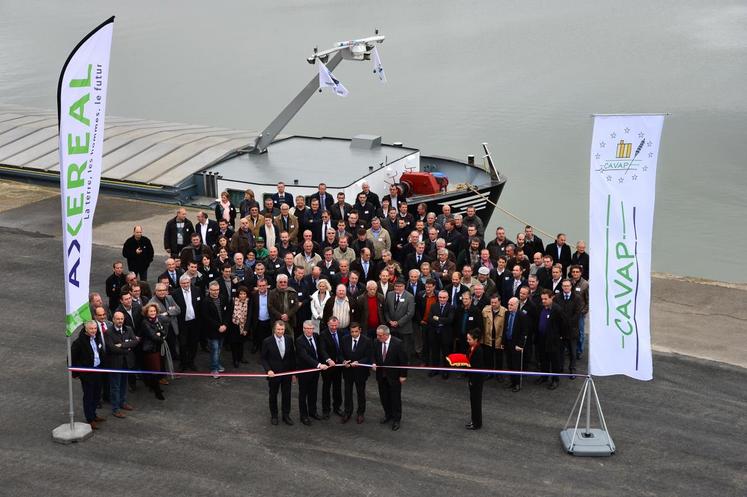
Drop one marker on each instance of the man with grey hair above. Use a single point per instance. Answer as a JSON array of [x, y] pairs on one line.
[[389, 352], [188, 299], [87, 351], [283, 304]]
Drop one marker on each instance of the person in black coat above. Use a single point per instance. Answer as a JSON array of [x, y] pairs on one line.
[[510, 287], [325, 199], [570, 304], [155, 330], [560, 252], [177, 233], [309, 355], [475, 380], [278, 356], [550, 330], [466, 317], [331, 342], [120, 343], [87, 352], [215, 313], [138, 251], [389, 351], [357, 349], [515, 331], [371, 197], [440, 321], [114, 284]]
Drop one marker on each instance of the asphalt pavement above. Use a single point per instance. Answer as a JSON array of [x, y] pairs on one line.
[[682, 434]]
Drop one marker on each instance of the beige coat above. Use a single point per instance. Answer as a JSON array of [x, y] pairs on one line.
[[382, 242], [490, 324]]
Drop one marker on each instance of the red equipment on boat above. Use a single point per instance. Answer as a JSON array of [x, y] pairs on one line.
[[417, 183]]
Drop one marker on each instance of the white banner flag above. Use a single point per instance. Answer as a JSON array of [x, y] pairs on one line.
[[624, 154], [378, 69], [327, 80], [81, 107]]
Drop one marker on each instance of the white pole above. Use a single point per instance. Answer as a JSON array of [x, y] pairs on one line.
[[70, 385]]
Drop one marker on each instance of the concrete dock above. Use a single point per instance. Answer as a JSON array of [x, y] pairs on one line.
[[682, 434]]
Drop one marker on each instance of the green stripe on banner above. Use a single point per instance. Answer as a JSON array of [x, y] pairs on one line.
[[77, 318]]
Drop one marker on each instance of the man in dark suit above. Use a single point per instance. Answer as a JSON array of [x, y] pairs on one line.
[[86, 352], [415, 259], [133, 316], [281, 197], [390, 352], [440, 337], [550, 330], [365, 266], [510, 287], [133, 313], [278, 356], [341, 209], [120, 342], [331, 343], [357, 349], [560, 252], [215, 314], [514, 339], [206, 229], [570, 305], [177, 233], [456, 289], [324, 198], [173, 273], [414, 285], [309, 355], [188, 298]]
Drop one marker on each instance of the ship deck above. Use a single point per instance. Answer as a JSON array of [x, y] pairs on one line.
[[333, 161]]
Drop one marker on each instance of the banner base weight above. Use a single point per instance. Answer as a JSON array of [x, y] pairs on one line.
[[597, 443], [65, 435]]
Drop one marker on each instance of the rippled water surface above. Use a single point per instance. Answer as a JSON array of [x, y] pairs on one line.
[[522, 76]]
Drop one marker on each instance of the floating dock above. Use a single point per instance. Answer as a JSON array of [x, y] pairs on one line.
[[148, 159]]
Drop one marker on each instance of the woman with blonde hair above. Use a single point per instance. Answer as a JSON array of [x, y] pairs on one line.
[[318, 299], [225, 209]]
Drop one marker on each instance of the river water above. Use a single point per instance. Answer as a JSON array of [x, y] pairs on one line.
[[522, 76]]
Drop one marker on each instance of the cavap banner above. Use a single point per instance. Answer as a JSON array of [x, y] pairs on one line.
[[624, 154], [81, 107]]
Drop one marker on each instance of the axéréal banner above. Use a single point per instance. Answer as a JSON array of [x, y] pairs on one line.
[[81, 107], [624, 154]]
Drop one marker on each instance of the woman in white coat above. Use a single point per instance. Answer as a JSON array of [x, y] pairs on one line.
[[318, 299]]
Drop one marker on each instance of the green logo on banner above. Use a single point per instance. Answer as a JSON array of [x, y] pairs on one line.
[[77, 318]]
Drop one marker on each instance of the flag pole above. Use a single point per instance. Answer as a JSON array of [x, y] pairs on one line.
[[70, 384], [71, 431]]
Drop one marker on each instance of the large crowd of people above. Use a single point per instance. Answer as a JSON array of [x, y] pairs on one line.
[[317, 283]]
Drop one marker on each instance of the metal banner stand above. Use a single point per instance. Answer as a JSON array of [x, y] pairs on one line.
[[588, 441], [72, 431]]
